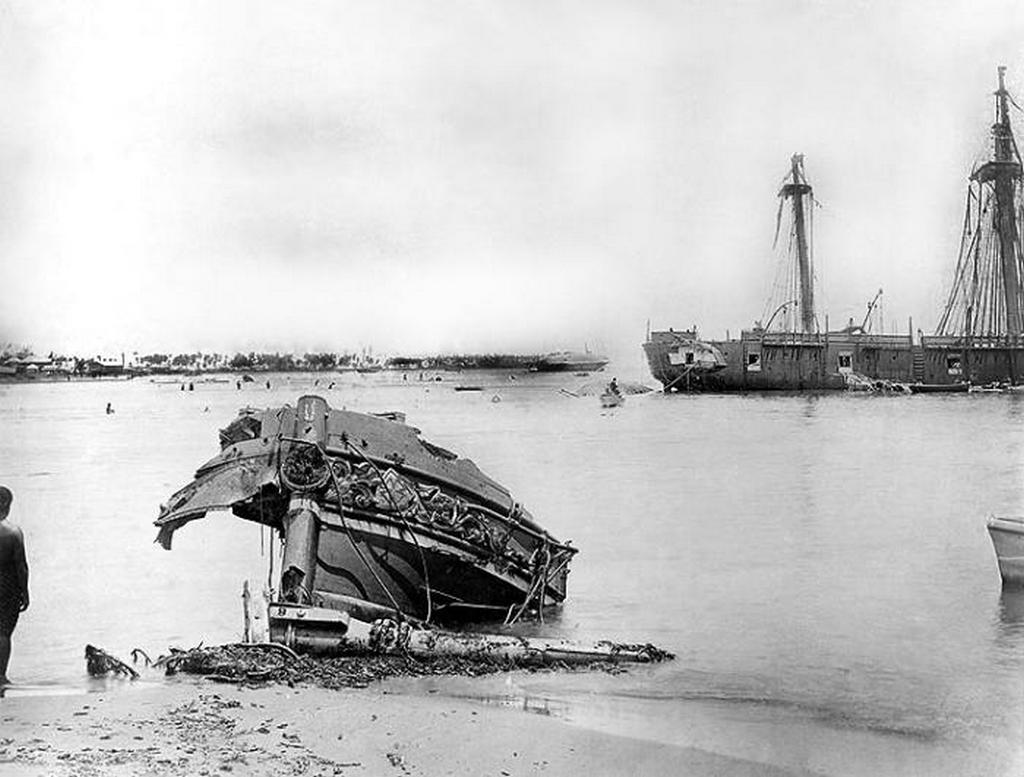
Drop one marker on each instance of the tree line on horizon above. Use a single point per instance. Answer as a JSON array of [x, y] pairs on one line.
[[281, 362]]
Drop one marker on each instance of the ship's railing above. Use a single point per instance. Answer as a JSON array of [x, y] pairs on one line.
[[975, 341], [820, 339], [782, 338], [870, 341], [672, 335], [861, 339]]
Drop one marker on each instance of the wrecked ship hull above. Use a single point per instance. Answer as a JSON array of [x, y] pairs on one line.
[[374, 519], [465, 580]]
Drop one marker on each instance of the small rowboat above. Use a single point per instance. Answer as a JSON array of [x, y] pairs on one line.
[[612, 399], [939, 388], [1008, 540]]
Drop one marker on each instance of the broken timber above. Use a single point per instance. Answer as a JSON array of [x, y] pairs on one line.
[[99, 662]]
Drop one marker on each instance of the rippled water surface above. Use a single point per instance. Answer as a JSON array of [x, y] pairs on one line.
[[819, 564]]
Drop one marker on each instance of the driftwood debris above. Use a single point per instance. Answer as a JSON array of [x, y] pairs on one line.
[[338, 651], [259, 663], [100, 663], [138, 654], [239, 662], [342, 652]]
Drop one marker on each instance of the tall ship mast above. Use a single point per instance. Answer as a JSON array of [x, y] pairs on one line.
[[986, 297], [787, 349], [796, 311]]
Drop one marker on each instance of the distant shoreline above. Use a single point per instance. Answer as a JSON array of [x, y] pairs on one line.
[[456, 364], [237, 374]]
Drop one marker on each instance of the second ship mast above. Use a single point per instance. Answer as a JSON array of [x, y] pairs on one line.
[[986, 299]]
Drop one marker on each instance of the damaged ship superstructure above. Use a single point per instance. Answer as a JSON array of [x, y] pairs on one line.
[[376, 521], [980, 336], [790, 350]]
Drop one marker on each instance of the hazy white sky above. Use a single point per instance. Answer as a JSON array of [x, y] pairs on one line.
[[475, 176]]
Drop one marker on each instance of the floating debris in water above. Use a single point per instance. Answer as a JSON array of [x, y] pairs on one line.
[[99, 663]]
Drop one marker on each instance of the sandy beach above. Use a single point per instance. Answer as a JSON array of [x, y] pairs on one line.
[[192, 727]]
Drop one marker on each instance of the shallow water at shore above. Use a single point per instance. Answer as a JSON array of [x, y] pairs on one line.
[[818, 563]]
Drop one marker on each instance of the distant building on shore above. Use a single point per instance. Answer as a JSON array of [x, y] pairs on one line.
[[103, 366], [26, 365]]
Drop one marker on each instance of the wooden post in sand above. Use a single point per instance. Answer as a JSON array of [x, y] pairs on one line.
[[246, 616]]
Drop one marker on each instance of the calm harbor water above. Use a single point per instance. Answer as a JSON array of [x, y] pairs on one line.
[[819, 564]]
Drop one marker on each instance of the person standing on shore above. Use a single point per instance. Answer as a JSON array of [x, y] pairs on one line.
[[13, 580]]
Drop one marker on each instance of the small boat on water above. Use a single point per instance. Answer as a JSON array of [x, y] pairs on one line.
[[469, 388], [612, 395], [1008, 540], [570, 361], [376, 521], [998, 388], [612, 399], [939, 388]]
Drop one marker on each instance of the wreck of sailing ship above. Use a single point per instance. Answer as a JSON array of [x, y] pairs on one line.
[[979, 336], [376, 522], [790, 351]]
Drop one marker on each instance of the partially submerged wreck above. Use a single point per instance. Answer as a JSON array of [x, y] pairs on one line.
[[385, 534], [377, 523], [979, 338]]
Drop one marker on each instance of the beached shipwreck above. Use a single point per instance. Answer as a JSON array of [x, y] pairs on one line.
[[383, 533]]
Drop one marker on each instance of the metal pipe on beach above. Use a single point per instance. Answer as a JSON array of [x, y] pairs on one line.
[[335, 633]]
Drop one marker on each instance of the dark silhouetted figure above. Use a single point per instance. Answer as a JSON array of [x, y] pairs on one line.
[[13, 580]]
